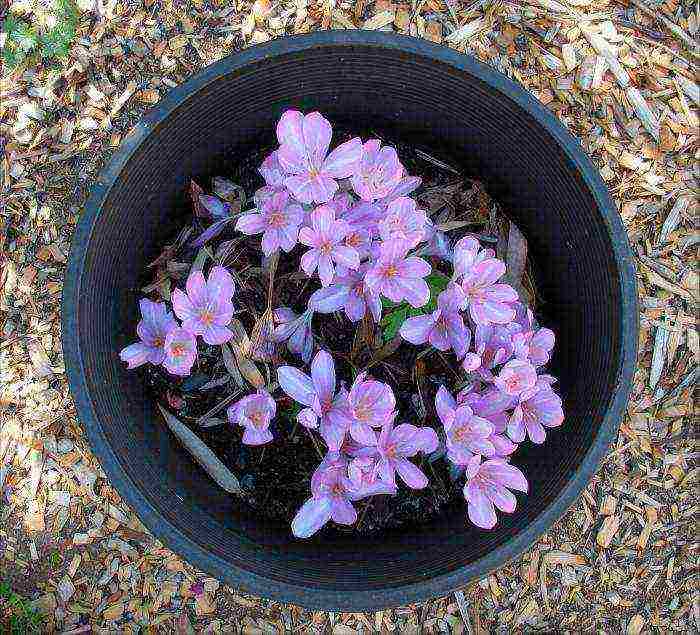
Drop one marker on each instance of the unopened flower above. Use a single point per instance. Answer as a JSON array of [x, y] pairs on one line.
[[303, 154], [534, 346], [403, 221], [488, 301], [363, 473], [516, 377], [180, 351], [436, 243], [271, 170], [254, 413], [325, 238], [488, 485], [295, 331], [466, 433], [371, 405], [396, 445], [330, 498], [326, 409], [399, 277], [206, 309], [378, 172], [444, 328], [350, 293], [155, 324], [537, 409], [278, 218]]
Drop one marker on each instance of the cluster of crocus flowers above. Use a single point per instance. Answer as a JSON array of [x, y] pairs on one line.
[[205, 309]]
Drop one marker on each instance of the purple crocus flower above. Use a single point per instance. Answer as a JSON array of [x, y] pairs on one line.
[[444, 328], [206, 309], [155, 324], [278, 218], [537, 409], [325, 237], [467, 434], [467, 254], [493, 346], [534, 346], [350, 293], [254, 413], [516, 377], [492, 405], [295, 330], [363, 474], [488, 484], [180, 351], [330, 498], [326, 409], [488, 301], [403, 221], [303, 154], [404, 187], [398, 277], [396, 445], [371, 405], [378, 172]]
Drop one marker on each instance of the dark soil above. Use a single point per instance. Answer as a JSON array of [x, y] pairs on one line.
[[276, 476]]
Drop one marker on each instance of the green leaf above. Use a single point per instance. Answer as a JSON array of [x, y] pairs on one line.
[[24, 37], [392, 322]]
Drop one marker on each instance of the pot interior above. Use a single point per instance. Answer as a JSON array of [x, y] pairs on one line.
[[403, 96]]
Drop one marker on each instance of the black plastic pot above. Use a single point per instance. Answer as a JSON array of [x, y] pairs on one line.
[[419, 93]]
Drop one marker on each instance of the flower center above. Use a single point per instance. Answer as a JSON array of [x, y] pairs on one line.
[[361, 412], [353, 240], [391, 451], [158, 342], [460, 434], [512, 383], [257, 419], [326, 406], [337, 489], [276, 219], [326, 248], [359, 288], [390, 271], [207, 317], [178, 350]]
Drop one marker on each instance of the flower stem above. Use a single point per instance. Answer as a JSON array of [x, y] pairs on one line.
[[222, 404], [313, 438]]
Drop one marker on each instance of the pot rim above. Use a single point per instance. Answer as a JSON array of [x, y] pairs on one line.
[[305, 596]]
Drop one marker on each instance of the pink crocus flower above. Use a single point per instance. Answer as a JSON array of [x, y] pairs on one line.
[[326, 410], [466, 433], [537, 409], [363, 475], [206, 309], [444, 328], [516, 377], [378, 172], [180, 351], [254, 413], [331, 498], [534, 346], [325, 238], [350, 293], [278, 220], [155, 324], [303, 155], [371, 404], [396, 445], [493, 346], [295, 330], [488, 485], [488, 301], [403, 221], [492, 405], [467, 254], [399, 277]]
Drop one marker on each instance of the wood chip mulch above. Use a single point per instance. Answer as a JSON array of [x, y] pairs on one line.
[[620, 76]]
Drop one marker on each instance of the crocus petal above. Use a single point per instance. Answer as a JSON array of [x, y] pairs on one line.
[[253, 436], [323, 375], [465, 251], [505, 474], [414, 267], [296, 384], [308, 418], [251, 223], [215, 334], [309, 261], [415, 291], [355, 307], [182, 305], [317, 137], [445, 405], [362, 433], [346, 256], [501, 498], [135, 354], [326, 271], [270, 241], [410, 474], [479, 507], [314, 513], [416, 330], [322, 188], [342, 162], [329, 299], [342, 511], [332, 434], [220, 283]]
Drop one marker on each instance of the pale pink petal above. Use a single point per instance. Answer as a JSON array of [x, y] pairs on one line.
[[415, 291], [197, 288], [322, 217], [307, 417], [414, 267], [410, 474], [438, 338], [296, 384], [501, 498], [479, 508], [309, 261], [270, 242], [445, 405], [323, 375], [505, 474], [135, 354], [502, 293], [465, 251], [314, 513], [322, 188], [362, 433], [216, 334], [355, 307], [182, 305], [342, 162], [342, 511], [346, 256], [317, 137], [251, 224], [220, 283], [326, 271], [332, 434], [488, 272], [536, 432], [329, 299], [253, 436]]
